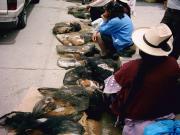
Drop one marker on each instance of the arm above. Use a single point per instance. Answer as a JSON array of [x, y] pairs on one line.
[[121, 75], [95, 33], [108, 27], [94, 36]]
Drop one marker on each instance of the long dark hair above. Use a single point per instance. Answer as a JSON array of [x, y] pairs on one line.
[[148, 63], [115, 9]]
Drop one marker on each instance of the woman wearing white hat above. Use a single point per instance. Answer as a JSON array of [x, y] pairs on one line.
[[148, 85]]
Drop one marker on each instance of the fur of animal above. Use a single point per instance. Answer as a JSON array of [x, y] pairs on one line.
[[25, 123], [74, 95]]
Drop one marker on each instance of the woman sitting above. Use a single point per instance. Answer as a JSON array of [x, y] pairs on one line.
[[149, 89], [114, 34]]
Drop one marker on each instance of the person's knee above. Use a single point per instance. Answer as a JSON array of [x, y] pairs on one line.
[[98, 35], [99, 39]]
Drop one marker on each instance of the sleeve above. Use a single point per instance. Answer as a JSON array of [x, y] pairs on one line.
[[121, 75], [107, 27], [111, 86]]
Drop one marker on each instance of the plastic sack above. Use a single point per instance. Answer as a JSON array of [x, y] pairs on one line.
[[163, 127]]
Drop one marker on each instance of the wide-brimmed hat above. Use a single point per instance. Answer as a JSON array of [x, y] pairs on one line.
[[125, 1], [153, 40]]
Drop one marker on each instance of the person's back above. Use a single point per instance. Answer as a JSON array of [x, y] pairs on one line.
[[155, 96], [149, 89], [114, 34], [120, 29]]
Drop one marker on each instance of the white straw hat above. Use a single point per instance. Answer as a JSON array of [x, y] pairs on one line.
[[125, 1], [150, 40]]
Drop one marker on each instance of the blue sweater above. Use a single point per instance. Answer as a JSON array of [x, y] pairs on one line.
[[120, 30]]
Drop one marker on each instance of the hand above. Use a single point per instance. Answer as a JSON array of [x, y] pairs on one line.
[[94, 36]]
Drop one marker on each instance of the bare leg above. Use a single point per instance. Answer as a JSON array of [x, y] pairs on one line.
[[101, 45]]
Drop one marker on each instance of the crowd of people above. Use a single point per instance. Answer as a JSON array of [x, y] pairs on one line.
[[145, 89]]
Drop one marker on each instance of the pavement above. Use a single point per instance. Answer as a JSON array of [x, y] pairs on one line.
[[147, 14], [28, 57]]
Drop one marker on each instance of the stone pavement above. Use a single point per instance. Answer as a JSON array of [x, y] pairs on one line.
[[147, 14]]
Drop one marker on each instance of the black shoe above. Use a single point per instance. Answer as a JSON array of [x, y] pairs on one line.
[[111, 56], [115, 56], [127, 53], [105, 57]]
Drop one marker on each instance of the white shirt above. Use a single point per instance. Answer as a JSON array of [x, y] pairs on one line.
[[99, 3]]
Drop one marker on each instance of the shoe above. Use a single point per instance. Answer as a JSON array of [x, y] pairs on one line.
[[127, 53], [105, 57], [115, 56], [111, 56]]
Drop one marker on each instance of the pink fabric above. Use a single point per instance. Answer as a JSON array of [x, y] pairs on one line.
[[133, 127], [111, 86]]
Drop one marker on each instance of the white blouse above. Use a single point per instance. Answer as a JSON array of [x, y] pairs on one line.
[[99, 3]]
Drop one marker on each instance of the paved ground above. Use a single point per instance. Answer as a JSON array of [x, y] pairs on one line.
[[28, 57], [147, 14]]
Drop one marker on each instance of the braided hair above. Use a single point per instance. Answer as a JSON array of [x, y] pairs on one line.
[[148, 63]]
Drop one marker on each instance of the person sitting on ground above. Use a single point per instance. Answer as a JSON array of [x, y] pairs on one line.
[[96, 8], [148, 86], [114, 34]]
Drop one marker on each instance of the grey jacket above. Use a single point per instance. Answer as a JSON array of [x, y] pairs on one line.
[[174, 4]]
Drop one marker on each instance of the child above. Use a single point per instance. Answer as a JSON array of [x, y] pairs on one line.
[[114, 34]]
